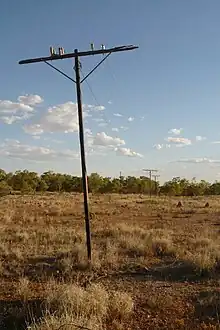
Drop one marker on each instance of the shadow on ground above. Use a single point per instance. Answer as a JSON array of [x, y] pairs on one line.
[[45, 267], [207, 307], [166, 270], [17, 314], [172, 271]]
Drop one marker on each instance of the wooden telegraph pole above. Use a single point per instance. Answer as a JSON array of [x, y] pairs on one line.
[[62, 55]]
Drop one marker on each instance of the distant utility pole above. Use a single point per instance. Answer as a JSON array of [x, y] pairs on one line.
[[60, 56], [155, 176], [150, 171]]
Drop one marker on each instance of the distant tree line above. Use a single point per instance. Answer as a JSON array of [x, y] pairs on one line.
[[30, 182]]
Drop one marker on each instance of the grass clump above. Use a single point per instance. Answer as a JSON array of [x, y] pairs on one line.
[[23, 288], [70, 305], [203, 252]]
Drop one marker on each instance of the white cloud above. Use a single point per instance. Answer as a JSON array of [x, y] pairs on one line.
[[175, 141], [127, 152], [115, 129], [216, 142], [95, 107], [117, 115], [130, 119], [161, 146], [102, 143], [109, 102], [99, 108], [33, 129], [158, 146], [9, 107], [124, 128], [198, 160], [179, 141], [11, 112], [175, 131], [11, 119], [200, 138], [88, 131], [14, 149], [102, 139], [30, 99], [60, 118]]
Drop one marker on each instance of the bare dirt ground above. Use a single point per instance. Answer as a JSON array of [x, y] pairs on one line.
[[154, 265]]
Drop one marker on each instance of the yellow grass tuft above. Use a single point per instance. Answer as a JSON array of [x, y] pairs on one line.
[[69, 305], [23, 288]]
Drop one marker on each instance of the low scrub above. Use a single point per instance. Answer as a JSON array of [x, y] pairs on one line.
[[70, 306]]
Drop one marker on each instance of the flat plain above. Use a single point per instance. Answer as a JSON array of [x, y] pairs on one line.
[[155, 262]]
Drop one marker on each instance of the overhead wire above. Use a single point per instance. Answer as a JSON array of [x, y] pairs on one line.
[[110, 70], [113, 76], [97, 103], [91, 91]]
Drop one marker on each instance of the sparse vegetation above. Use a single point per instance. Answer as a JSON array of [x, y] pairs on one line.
[[136, 241]]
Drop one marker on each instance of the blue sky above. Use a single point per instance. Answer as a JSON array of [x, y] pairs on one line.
[[156, 107]]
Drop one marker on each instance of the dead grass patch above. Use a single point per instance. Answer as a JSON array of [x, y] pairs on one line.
[[203, 252], [160, 302], [69, 306], [42, 237]]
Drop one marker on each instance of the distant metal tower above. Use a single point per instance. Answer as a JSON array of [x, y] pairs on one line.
[[156, 176], [150, 171]]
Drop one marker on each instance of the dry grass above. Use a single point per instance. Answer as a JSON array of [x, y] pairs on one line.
[[137, 233], [70, 306], [159, 302], [23, 288], [42, 237]]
